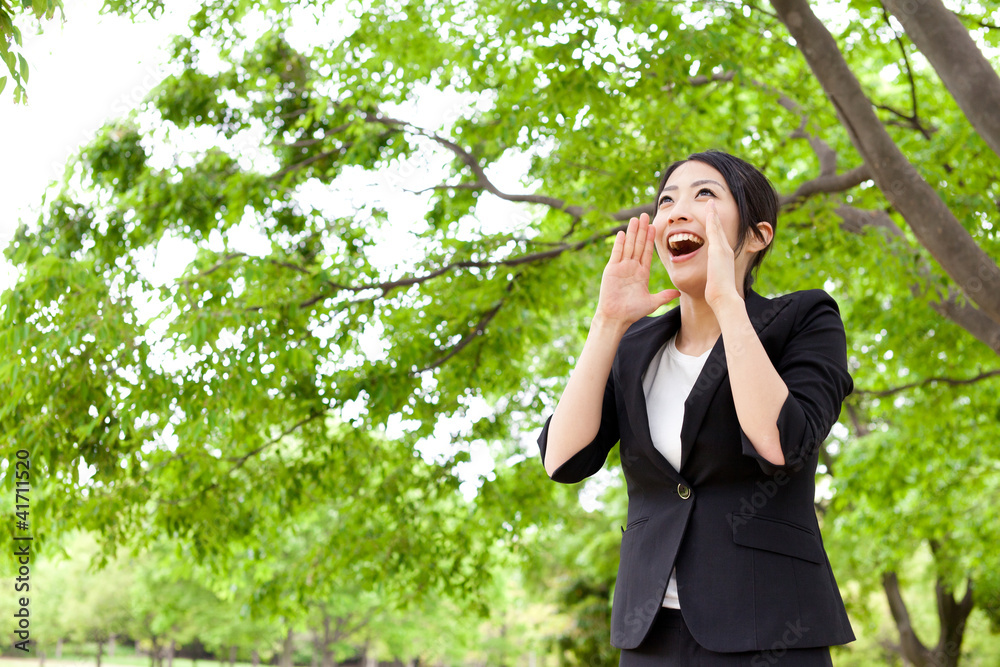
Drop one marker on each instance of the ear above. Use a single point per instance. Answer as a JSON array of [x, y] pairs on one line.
[[754, 244]]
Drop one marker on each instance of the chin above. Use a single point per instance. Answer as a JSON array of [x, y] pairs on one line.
[[690, 287]]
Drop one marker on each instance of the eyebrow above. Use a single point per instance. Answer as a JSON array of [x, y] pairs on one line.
[[695, 184]]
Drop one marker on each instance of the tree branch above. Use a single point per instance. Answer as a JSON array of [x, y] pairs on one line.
[[929, 217], [977, 21], [240, 461], [912, 648], [828, 180], [827, 184], [913, 120], [703, 79], [860, 429], [950, 306], [474, 333], [955, 382], [962, 67], [389, 285]]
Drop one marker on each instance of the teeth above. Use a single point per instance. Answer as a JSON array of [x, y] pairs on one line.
[[684, 236]]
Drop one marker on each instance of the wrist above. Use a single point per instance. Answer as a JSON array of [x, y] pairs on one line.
[[601, 324], [727, 305]]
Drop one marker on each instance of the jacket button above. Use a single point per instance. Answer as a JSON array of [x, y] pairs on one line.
[[683, 491]]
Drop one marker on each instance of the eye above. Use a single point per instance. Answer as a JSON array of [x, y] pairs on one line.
[[665, 199], [707, 191]]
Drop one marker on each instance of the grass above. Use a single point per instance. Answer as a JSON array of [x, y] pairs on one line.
[[118, 660]]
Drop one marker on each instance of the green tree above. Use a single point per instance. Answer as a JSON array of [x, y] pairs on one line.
[[263, 384], [77, 595]]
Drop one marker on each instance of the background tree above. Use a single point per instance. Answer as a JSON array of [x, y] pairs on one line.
[[267, 380], [98, 607]]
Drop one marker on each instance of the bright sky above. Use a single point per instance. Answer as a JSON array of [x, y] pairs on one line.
[[83, 72]]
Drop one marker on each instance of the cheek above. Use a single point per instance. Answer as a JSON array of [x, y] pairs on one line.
[[732, 226], [659, 220], [659, 226]]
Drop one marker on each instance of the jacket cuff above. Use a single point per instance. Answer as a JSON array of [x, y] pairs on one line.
[[578, 467], [794, 434]]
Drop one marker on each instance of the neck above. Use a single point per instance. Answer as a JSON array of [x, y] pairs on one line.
[[700, 329]]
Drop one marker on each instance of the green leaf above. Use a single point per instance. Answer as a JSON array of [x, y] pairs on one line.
[[24, 67], [3, 83], [39, 7]]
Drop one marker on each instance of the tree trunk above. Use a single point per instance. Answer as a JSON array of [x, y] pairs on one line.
[[925, 212], [254, 658], [232, 656], [952, 616], [59, 643], [170, 652], [369, 657], [112, 641], [314, 661], [963, 68], [327, 660], [287, 650], [100, 652]]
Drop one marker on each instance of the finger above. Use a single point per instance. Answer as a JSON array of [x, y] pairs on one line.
[[666, 296], [716, 232], [633, 224], [710, 228], [617, 249], [641, 233], [647, 254]]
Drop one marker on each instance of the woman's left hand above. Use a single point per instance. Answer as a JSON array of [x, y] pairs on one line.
[[720, 283]]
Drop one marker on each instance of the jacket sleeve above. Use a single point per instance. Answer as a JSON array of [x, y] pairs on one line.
[[813, 365], [591, 458]]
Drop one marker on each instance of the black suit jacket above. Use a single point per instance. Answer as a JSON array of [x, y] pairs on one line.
[[752, 572]]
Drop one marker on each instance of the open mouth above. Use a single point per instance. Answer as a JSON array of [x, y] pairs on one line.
[[683, 243]]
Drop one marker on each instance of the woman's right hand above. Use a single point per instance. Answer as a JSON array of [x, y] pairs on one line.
[[625, 296]]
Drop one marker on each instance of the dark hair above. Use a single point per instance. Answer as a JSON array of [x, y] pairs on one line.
[[756, 200]]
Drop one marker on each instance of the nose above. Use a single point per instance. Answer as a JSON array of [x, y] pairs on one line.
[[680, 211]]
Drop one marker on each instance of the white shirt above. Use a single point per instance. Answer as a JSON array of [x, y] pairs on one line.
[[667, 383]]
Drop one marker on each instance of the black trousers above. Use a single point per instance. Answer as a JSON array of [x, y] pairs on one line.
[[670, 644]]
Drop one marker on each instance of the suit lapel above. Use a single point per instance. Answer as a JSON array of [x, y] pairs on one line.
[[639, 347], [762, 312], [643, 344], [702, 393]]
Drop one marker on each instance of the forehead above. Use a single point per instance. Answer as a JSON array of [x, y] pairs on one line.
[[694, 171]]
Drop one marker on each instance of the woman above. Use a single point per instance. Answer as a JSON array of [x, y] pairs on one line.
[[720, 406]]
